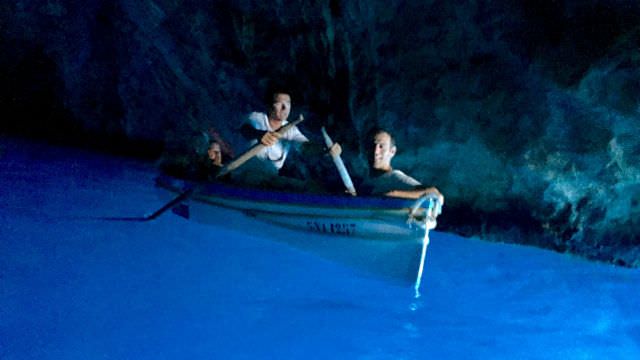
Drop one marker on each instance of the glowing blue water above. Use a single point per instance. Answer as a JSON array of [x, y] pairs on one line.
[[74, 288]]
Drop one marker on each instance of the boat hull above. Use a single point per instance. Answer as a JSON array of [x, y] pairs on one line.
[[369, 218], [369, 234]]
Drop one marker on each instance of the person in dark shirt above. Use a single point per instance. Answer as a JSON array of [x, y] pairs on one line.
[[384, 179]]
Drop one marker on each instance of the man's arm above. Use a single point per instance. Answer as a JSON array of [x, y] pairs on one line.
[[250, 133], [416, 193], [295, 135], [267, 138]]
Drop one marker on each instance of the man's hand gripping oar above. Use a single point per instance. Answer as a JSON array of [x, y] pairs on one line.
[[337, 160]]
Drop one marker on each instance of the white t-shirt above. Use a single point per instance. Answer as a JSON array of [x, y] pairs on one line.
[[276, 154], [392, 180]]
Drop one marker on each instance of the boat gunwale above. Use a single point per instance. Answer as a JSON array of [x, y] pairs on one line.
[[230, 192], [226, 196]]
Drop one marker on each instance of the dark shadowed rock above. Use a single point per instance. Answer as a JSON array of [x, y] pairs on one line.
[[524, 113]]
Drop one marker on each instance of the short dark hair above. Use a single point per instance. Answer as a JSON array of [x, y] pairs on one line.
[[272, 92], [377, 130], [275, 94]]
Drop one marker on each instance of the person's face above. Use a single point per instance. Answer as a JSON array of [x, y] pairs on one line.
[[215, 155], [383, 151], [281, 107]]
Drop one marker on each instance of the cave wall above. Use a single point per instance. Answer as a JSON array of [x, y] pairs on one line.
[[524, 113]]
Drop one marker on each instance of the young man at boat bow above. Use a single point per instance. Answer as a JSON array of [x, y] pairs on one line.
[[383, 178]]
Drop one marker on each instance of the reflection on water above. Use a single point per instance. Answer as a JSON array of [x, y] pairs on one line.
[[173, 288]]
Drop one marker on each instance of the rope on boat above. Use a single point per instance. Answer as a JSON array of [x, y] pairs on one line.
[[432, 211]]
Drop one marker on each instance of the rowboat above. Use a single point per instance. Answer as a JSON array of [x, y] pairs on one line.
[[386, 235], [382, 218]]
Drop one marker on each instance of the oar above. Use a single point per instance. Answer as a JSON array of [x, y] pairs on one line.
[[337, 160], [175, 201], [433, 210], [236, 163], [253, 151]]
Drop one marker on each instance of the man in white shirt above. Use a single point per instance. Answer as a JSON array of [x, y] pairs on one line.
[[261, 127]]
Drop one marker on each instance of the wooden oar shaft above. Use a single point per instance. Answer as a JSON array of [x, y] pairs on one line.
[[337, 161], [254, 150]]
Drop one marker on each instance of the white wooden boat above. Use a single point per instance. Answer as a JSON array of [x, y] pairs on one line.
[[382, 218], [383, 234]]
